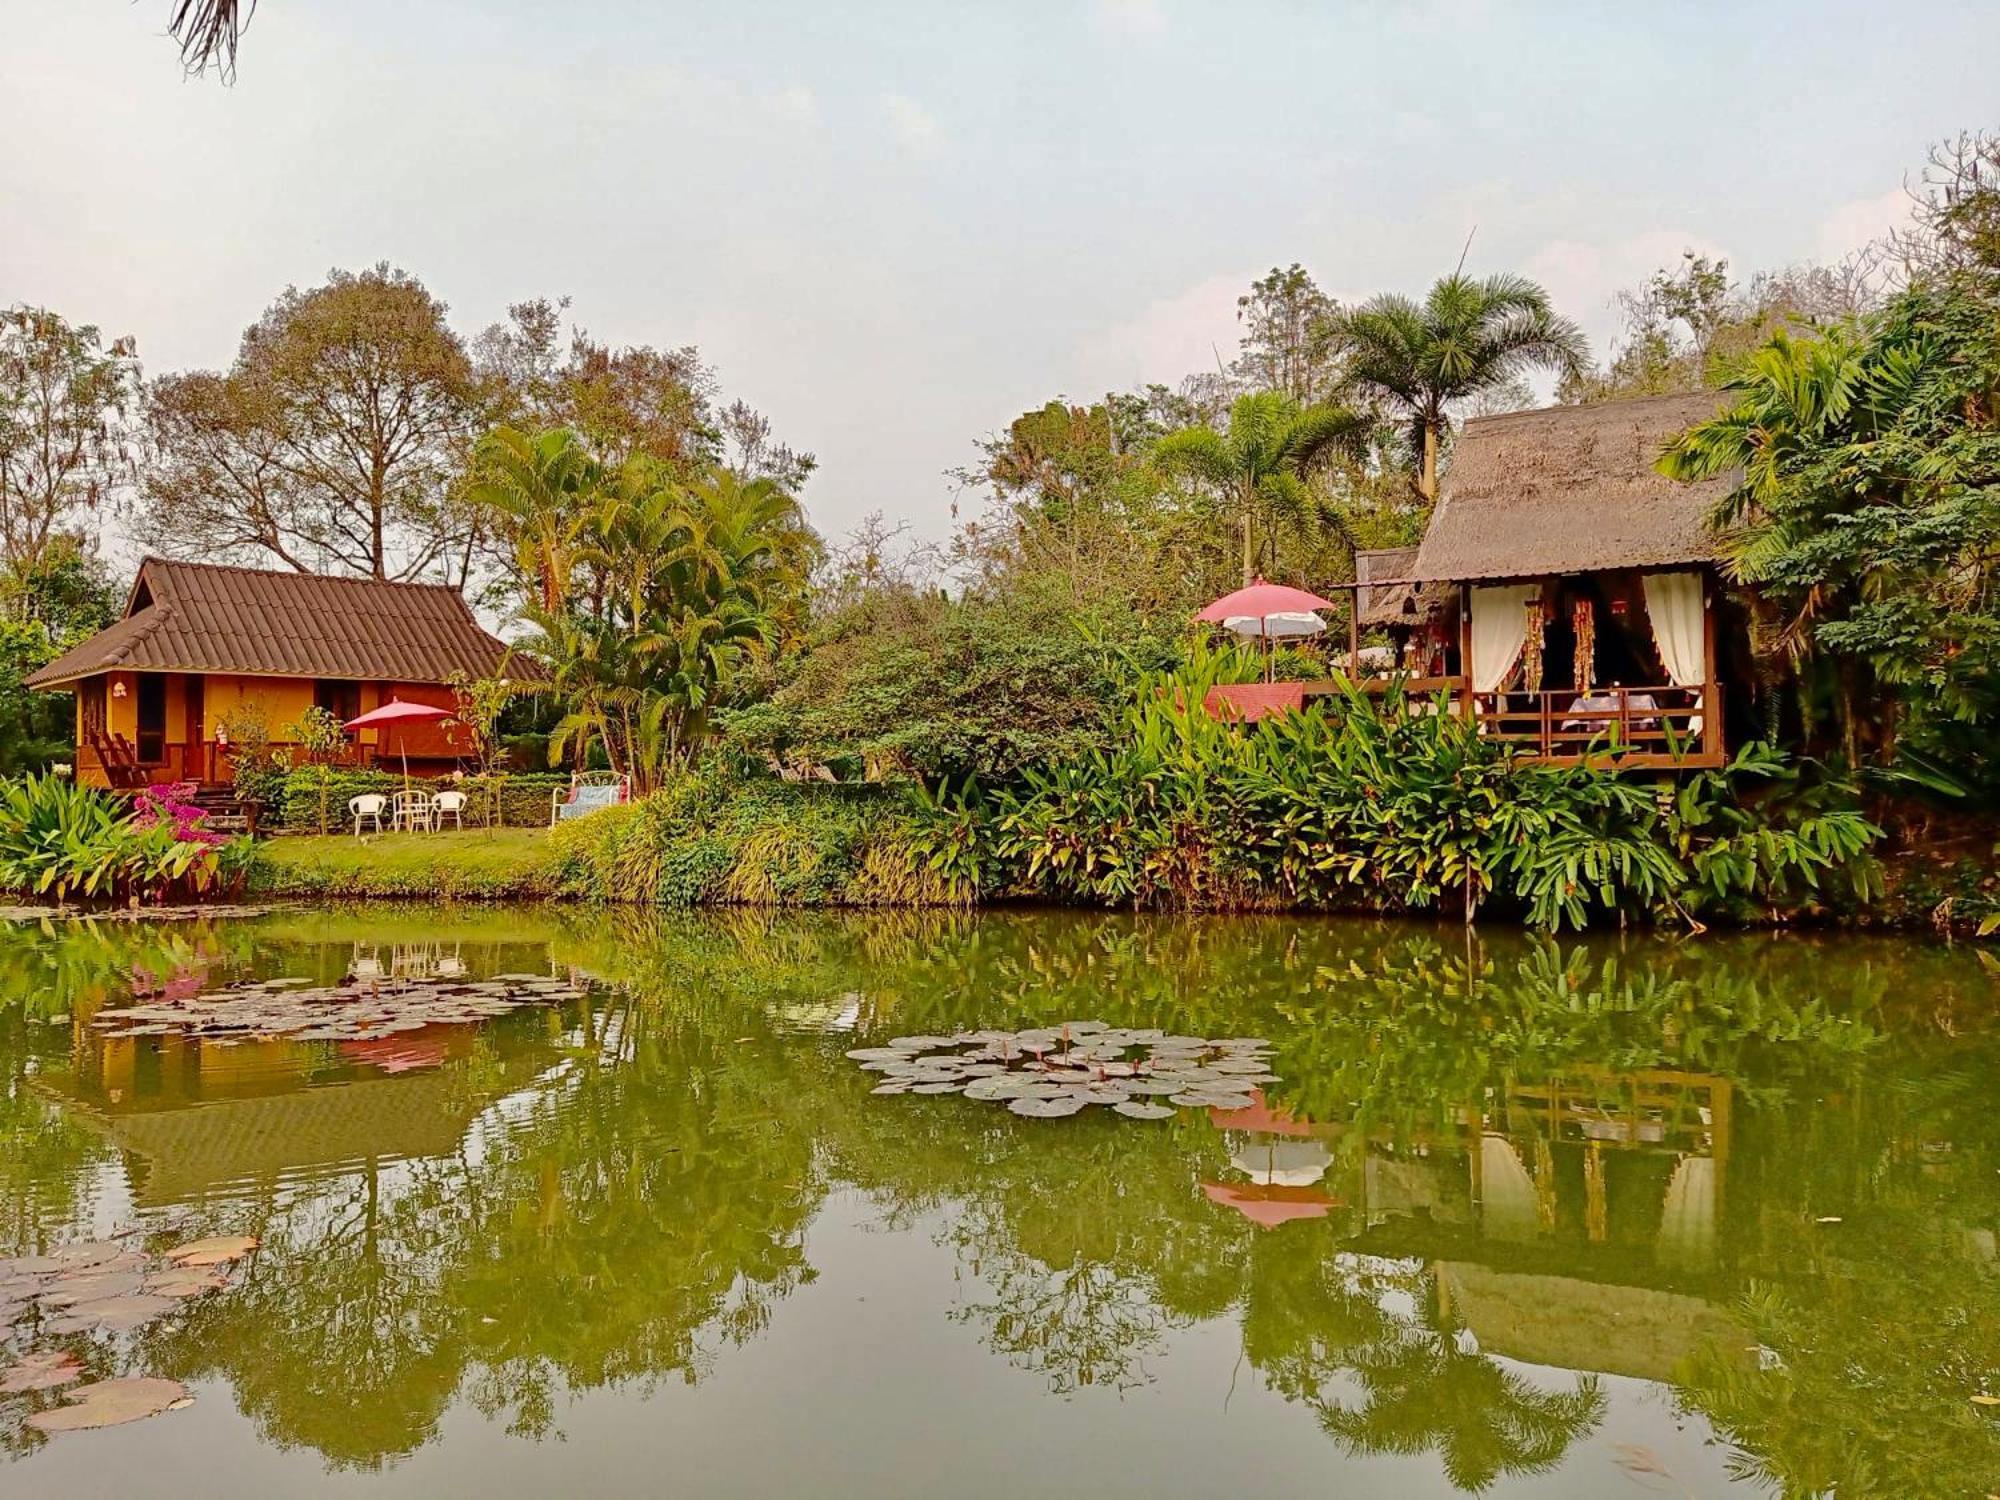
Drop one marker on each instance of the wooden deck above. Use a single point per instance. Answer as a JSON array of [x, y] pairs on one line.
[[1624, 728]]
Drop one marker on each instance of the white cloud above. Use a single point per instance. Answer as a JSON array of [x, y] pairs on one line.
[[1170, 337], [916, 127], [1857, 224], [796, 105], [1130, 18]]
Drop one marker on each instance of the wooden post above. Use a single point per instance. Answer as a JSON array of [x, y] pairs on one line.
[[1465, 650], [1354, 635], [1711, 708]]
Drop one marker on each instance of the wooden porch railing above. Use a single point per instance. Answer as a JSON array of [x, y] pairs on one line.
[[1671, 726]]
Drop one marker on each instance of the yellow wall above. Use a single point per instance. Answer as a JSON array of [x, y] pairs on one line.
[[281, 700]]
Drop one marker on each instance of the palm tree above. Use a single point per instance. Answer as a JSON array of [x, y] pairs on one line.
[[1467, 336], [1262, 462], [544, 493], [207, 31]]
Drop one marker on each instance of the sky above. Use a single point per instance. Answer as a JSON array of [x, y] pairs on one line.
[[894, 227]]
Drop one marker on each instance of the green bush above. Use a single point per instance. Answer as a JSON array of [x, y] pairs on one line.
[[708, 837], [1384, 805]]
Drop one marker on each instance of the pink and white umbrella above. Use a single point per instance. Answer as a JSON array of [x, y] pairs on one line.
[[1268, 611], [396, 711]]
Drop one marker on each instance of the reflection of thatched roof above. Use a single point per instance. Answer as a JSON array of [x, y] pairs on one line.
[[1584, 1325], [1398, 604], [1571, 489]]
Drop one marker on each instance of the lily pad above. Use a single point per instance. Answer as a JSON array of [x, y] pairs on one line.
[[48, 1370], [218, 1251], [109, 1403], [937, 1088], [1046, 1109], [1134, 1109]]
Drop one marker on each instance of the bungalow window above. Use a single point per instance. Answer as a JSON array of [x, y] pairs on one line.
[[152, 716], [339, 697]]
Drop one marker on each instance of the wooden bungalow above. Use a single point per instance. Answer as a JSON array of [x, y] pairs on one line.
[[202, 646], [1567, 591]]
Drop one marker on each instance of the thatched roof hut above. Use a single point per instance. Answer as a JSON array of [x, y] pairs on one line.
[[1571, 489], [1400, 605]]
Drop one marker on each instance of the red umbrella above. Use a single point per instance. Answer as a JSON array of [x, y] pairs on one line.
[[396, 711], [1268, 1207], [1260, 601], [1268, 610]]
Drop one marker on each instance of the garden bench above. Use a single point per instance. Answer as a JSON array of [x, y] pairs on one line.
[[589, 792]]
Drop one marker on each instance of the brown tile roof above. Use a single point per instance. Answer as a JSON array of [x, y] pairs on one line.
[[1571, 489], [196, 617]]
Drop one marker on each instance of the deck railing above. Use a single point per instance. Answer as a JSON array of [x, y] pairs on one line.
[[1643, 725]]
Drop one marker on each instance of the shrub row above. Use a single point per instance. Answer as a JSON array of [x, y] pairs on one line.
[[520, 800]]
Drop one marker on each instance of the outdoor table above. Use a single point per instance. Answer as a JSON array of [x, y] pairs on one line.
[[412, 811], [1607, 703]]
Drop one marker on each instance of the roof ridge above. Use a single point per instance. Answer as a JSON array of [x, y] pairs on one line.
[[153, 559]]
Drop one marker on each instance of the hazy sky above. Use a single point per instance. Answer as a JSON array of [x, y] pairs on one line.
[[894, 227]]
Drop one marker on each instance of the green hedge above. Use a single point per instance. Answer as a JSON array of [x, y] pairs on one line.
[[522, 800]]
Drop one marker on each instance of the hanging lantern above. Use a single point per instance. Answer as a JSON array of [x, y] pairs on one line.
[[1583, 619], [1531, 649]]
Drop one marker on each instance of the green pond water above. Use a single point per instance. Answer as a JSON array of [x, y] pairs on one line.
[[1572, 1218]]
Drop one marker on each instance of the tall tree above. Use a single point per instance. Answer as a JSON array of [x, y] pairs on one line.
[[66, 400], [1260, 465], [1468, 335], [333, 441], [1291, 340]]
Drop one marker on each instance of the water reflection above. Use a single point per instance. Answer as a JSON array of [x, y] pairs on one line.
[[1494, 1179]]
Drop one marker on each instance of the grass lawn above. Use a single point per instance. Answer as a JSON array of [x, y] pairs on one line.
[[475, 864]]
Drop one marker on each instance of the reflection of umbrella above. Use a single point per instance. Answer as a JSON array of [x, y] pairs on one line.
[[1258, 1116], [1276, 1162], [397, 1054], [396, 711], [1268, 611], [1268, 1207]]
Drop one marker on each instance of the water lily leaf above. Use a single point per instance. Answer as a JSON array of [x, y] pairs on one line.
[[894, 1086], [92, 1253], [1133, 1109], [218, 1251], [937, 1088], [108, 1403], [49, 1370], [119, 1314], [878, 1054], [1047, 1109], [72, 1290]]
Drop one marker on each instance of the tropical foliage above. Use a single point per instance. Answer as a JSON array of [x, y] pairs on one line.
[[1864, 519], [66, 841]]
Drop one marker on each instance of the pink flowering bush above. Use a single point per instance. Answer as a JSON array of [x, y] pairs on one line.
[[168, 804]]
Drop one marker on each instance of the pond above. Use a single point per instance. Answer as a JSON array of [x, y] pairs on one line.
[[1517, 1217]]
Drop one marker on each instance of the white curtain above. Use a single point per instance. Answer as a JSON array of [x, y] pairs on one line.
[[1673, 604], [1687, 1223], [1499, 630]]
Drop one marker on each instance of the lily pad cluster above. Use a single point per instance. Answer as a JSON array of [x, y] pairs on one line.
[[354, 1010], [99, 1287], [1045, 1073]]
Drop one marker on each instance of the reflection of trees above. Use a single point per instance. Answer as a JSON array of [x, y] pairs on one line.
[[1426, 1390], [614, 1225]]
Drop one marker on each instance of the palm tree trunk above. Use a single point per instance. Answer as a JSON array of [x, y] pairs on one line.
[[1249, 555], [1430, 476]]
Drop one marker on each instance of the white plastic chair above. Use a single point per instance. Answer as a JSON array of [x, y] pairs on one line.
[[366, 807], [448, 805]]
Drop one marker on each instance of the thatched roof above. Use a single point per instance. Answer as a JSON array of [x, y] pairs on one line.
[[1571, 489], [1400, 604], [1584, 1325], [199, 617]]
